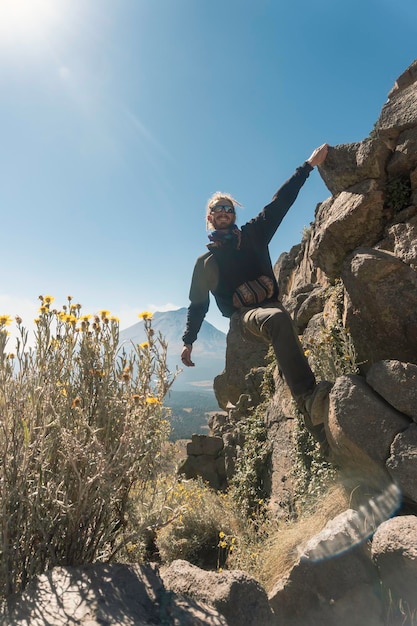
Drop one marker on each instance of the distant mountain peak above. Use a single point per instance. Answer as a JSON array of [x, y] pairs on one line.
[[209, 349]]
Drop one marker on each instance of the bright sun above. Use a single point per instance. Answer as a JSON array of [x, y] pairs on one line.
[[26, 20]]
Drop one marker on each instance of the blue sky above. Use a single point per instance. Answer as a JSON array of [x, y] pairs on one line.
[[119, 118]]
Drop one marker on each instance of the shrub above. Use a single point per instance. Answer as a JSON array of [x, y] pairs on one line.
[[331, 352], [205, 519], [398, 193], [82, 427], [249, 481]]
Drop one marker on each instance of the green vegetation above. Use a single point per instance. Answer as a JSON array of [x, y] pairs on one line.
[[194, 534], [398, 193], [189, 412], [331, 352], [248, 485]]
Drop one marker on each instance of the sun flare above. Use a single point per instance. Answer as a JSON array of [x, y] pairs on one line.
[[25, 20]]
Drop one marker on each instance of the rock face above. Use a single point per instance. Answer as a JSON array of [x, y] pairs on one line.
[[364, 239], [102, 594], [237, 596], [375, 282], [394, 550], [322, 587], [241, 356]]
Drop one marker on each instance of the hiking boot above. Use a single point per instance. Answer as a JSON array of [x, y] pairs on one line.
[[314, 406], [316, 402]]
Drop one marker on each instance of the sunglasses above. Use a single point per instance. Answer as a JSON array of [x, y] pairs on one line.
[[220, 208]]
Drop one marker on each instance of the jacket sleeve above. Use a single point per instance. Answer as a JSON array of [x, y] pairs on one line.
[[266, 223], [199, 302]]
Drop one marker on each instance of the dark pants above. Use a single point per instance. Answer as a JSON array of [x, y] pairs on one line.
[[271, 322]]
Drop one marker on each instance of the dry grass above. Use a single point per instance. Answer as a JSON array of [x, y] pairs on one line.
[[281, 550]]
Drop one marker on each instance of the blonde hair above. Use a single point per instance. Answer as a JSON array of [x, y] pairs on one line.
[[215, 199]]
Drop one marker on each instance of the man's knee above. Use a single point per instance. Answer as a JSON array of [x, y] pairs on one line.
[[276, 322]]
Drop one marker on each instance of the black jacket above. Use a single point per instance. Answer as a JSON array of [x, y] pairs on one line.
[[222, 269]]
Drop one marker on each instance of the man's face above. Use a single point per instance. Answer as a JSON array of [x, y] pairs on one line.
[[222, 219]]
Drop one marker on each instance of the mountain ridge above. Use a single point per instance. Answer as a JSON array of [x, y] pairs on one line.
[[208, 350]]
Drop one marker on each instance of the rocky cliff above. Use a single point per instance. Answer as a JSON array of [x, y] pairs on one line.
[[350, 286]]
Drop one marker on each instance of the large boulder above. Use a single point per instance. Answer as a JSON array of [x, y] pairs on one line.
[[234, 594], [242, 354], [396, 382], [400, 111], [284, 269], [99, 594], [381, 313], [361, 426], [394, 550], [343, 224], [347, 165], [333, 574], [407, 78], [404, 157], [402, 462], [400, 237]]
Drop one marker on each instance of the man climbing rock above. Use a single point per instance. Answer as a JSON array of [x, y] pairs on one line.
[[237, 270]]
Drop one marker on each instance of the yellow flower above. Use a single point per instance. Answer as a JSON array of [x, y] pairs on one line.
[[5, 320], [220, 570], [222, 544], [145, 315], [68, 318], [43, 309], [85, 318], [131, 547], [221, 534], [104, 314], [48, 299], [144, 345], [307, 352], [233, 540], [115, 319], [152, 400]]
